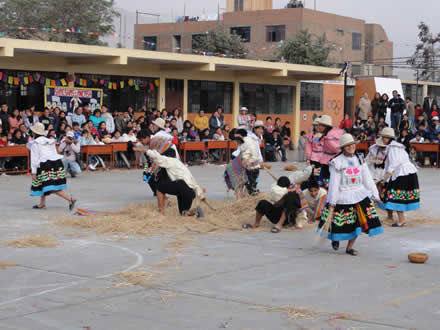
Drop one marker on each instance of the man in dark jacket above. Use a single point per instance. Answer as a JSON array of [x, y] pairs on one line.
[[397, 105], [4, 116], [428, 104]]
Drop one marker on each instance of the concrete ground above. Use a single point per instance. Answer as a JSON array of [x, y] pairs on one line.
[[239, 280]]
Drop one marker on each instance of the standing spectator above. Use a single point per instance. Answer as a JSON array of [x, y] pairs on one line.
[[278, 125], [346, 123], [30, 118], [215, 123], [375, 106], [201, 121], [46, 119], [4, 116], [383, 106], [434, 112], [108, 118], [428, 104], [244, 120], [177, 114], [86, 111], [364, 108], [14, 121], [78, 117], [286, 133], [418, 111], [220, 113], [70, 149], [410, 111], [121, 122], [302, 146], [96, 118], [269, 126], [279, 145], [397, 105]]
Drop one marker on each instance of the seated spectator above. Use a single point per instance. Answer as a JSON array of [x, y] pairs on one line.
[[226, 130], [102, 131], [274, 144], [358, 125], [269, 127], [418, 138], [204, 135], [286, 134], [3, 143], [14, 120], [435, 127], [30, 118], [414, 156], [201, 121], [96, 118], [405, 123], [46, 119], [121, 122], [120, 156], [25, 133], [177, 115], [405, 139], [76, 130], [418, 110], [423, 131], [52, 133], [88, 139], [277, 124], [108, 118], [215, 122], [244, 120], [61, 132], [420, 121], [218, 135], [130, 136], [192, 134], [175, 134], [70, 149], [78, 116], [93, 131], [434, 112], [17, 138], [346, 123]]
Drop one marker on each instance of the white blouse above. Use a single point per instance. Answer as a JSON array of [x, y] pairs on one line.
[[42, 150], [350, 181], [375, 157], [397, 161]]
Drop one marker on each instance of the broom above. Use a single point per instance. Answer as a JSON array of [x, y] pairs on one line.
[[268, 172], [325, 228]]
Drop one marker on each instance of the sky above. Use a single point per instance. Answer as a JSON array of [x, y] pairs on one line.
[[398, 17]]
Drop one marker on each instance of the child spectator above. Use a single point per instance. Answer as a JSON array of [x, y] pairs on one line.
[[418, 138], [14, 120], [269, 127], [76, 130], [30, 118], [286, 134], [175, 134], [130, 136], [405, 123], [346, 123], [405, 139], [120, 156], [414, 156], [218, 135], [102, 131], [302, 147]]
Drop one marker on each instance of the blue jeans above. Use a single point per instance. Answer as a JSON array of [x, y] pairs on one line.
[[411, 120], [72, 167], [395, 120]]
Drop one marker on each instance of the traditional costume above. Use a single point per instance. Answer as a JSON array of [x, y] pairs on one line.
[[181, 182], [376, 160], [351, 191], [250, 154], [46, 164], [401, 192], [316, 204]]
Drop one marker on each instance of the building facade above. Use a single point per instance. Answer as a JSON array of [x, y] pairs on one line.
[[265, 30]]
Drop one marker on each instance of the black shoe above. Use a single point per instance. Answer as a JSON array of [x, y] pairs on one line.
[[335, 245]]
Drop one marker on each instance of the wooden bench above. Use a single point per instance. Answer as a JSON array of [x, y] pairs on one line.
[[17, 151], [192, 146], [428, 147], [99, 150], [223, 145]]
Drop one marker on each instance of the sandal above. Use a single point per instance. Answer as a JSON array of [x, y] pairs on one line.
[[38, 207], [402, 225], [395, 225], [275, 230], [352, 252], [247, 226], [72, 204], [335, 245]]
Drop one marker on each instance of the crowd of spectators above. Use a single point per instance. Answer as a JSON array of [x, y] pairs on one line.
[[84, 127], [413, 123]]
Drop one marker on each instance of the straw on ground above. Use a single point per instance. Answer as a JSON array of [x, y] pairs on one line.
[[32, 241]]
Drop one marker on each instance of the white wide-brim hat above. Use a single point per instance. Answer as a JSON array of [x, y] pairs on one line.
[[325, 120], [244, 109], [388, 132], [380, 143], [159, 122], [38, 129], [346, 140], [316, 121], [258, 123]]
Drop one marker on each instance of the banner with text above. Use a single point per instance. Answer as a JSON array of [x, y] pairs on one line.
[[70, 98]]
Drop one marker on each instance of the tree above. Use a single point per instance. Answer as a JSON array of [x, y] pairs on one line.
[[306, 49], [220, 43], [424, 58], [77, 16]]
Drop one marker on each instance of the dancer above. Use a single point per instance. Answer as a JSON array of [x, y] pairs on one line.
[[314, 146], [401, 192], [376, 160], [48, 174], [315, 197], [162, 135], [350, 209], [181, 184], [283, 205], [330, 142], [250, 158]]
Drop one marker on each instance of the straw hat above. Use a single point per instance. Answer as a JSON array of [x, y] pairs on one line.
[[380, 143], [388, 132], [325, 120], [244, 109], [159, 122], [259, 123], [316, 121], [346, 140], [38, 129]]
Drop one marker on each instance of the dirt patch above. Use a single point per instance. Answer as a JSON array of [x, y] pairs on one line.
[[32, 241]]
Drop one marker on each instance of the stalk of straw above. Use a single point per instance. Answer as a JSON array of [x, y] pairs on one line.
[[268, 172], [325, 228]]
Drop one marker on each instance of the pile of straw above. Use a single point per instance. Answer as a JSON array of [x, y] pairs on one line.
[[292, 313], [141, 278], [32, 241], [144, 219], [291, 168], [6, 265]]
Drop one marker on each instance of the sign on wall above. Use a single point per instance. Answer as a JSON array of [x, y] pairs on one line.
[[70, 98]]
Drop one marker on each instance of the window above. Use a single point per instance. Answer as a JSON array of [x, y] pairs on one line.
[[150, 43], [197, 39], [243, 31], [311, 97], [207, 95], [340, 32], [177, 44], [275, 33], [356, 41], [238, 5], [355, 70], [267, 99], [411, 91]]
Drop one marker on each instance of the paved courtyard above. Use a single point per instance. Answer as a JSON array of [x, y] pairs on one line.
[[235, 280]]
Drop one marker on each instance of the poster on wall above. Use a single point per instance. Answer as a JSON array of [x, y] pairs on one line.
[[70, 98]]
